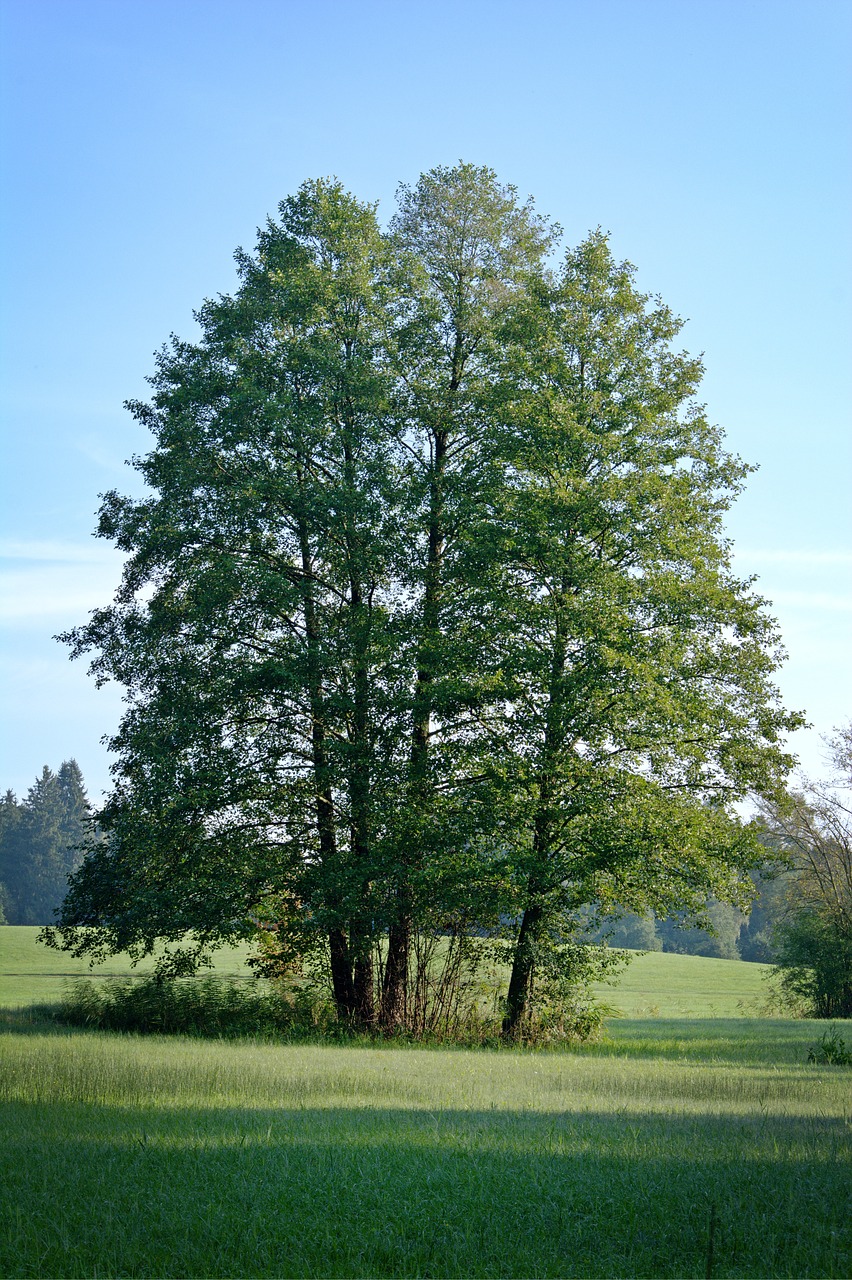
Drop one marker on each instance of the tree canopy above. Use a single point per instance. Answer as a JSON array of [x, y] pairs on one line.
[[428, 624], [811, 832]]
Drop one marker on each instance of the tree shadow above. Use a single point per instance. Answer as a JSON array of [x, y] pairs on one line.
[[376, 1191]]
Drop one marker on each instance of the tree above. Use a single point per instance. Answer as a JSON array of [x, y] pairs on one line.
[[756, 937], [812, 831], [627, 929], [475, 249], [642, 702], [717, 935], [41, 843], [264, 724], [427, 623]]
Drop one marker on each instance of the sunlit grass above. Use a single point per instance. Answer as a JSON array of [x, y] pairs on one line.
[[158, 1156], [31, 973], [660, 985]]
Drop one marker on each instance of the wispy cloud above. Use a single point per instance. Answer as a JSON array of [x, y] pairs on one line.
[[59, 551], [794, 559], [834, 602], [64, 593]]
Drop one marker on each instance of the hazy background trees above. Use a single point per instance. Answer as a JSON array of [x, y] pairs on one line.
[[811, 830], [41, 840]]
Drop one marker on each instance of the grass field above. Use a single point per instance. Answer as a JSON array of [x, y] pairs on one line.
[[653, 985], [132, 1156], [31, 973], [167, 1156]]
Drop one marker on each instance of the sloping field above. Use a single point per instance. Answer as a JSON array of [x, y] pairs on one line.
[[31, 973], [653, 985], [659, 985]]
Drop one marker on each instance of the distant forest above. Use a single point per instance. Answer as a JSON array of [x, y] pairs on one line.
[[41, 835], [39, 844], [731, 936]]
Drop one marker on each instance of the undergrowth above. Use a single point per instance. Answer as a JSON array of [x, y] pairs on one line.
[[222, 1008], [831, 1051]]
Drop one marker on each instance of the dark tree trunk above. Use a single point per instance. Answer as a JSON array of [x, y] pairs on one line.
[[365, 1004], [395, 986], [341, 966], [341, 976], [360, 784], [523, 961], [518, 998]]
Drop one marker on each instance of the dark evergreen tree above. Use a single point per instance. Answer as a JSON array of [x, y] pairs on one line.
[[41, 843], [9, 819]]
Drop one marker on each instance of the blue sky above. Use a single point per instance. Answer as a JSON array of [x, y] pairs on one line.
[[143, 142]]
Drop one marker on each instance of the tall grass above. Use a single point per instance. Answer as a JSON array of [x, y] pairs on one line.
[[201, 1006], [171, 1156]]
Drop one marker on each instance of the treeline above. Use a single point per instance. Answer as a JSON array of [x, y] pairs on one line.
[[721, 931], [40, 838]]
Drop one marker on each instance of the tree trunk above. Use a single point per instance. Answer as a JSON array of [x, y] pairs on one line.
[[523, 961], [395, 986], [523, 964], [360, 941], [341, 967], [341, 976]]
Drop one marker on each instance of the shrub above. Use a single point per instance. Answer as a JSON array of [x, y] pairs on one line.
[[195, 1006], [814, 958], [831, 1050]]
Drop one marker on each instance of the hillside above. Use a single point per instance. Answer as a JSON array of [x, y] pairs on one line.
[[655, 984]]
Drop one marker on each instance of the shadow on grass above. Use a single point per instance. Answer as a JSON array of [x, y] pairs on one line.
[[362, 1191], [34, 1019], [712, 1040]]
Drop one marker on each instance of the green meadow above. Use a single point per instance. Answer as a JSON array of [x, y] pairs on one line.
[[170, 1156], [653, 984]]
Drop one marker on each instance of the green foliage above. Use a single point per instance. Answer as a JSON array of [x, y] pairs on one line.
[[628, 929], [41, 844], [199, 1006], [812, 832], [717, 934], [428, 621], [831, 1050], [755, 942], [815, 964]]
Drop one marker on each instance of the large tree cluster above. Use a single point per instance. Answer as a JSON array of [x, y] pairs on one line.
[[428, 624], [41, 842]]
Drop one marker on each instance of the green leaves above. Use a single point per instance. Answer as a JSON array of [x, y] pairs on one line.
[[428, 620]]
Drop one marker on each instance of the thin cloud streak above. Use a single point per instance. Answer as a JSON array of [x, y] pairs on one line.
[[55, 591], [792, 558], [823, 600], [59, 552]]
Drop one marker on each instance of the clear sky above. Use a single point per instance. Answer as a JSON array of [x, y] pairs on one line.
[[144, 141]]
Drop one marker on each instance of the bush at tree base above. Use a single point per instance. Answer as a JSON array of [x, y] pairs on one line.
[[814, 961]]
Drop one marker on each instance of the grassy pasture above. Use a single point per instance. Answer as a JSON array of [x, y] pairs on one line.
[[31, 973], [151, 1156], [169, 1156], [653, 985]]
